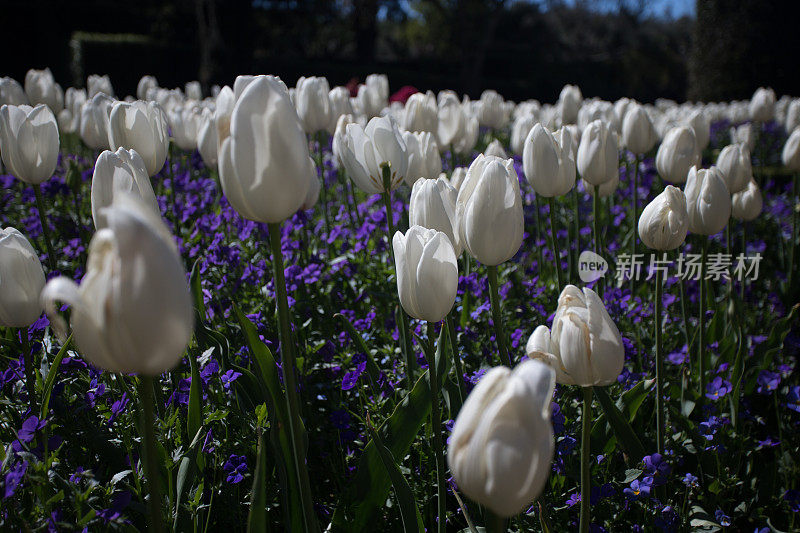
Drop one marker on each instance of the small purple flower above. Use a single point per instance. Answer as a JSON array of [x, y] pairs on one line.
[[718, 388], [14, 478], [236, 467], [792, 497], [723, 519], [638, 489], [690, 481], [657, 467], [793, 398], [768, 381], [118, 407], [229, 377], [351, 378], [574, 499]]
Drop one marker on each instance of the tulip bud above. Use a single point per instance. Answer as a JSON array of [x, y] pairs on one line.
[[638, 133], [29, 139], [584, 347], [380, 84], [264, 163], [41, 88], [791, 151], [433, 206], [569, 102], [96, 84], [677, 154], [337, 145], [207, 143], [701, 126], [762, 105], [489, 210], [94, 121], [496, 149], [664, 222], [423, 156], [743, 134], [792, 115], [146, 83], [222, 114], [421, 113], [519, 132], [747, 204], [11, 92], [734, 163], [313, 104], [598, 154], [490, 112], [21, 280], [340, 105], [466, 141], [427, 273], [193, 90], [133, 311], [548, 163], [141, 126], [501, 447], [370, 101], [120, 172], [366, 150], [708, 201], [451, 119], [184, 121]]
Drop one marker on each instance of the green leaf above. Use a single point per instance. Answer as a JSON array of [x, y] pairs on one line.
[[631, 474], [257, 520], [367, 492], [51, 378], [194, 417], [409, 512], [622, 428], [197, 290]]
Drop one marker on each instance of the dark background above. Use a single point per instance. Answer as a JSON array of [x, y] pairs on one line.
[[523, 49]]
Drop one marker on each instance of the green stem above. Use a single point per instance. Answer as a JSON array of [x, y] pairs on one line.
[[51, 256], [596, 229], [288, 365], [684, 317], [497, 316], [556, 250], [466, 302], [495, 523], [451, 331], [30, 376], [155, 520], [577, 235], [659, 364], [744, 253], [794, 201], [538, 226], [701, 345], [635, 221], [586, 434], [436, 423], [319, 136]]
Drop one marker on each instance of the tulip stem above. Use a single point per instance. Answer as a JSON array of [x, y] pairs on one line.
[[288, 365], [51, 256], [155, 520], [556, 249], [794, 201], [577, 235], [635, 221], [586, 433], [538, 227], [436, 423], [596, 226], [319, 137], [495, 523], [701, 345], [451, 333], [30, 377], [659, 364], [497, 316]]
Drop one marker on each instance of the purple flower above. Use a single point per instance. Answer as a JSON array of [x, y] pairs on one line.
[[574, 499], [14, 478], [351, 378], [793, 398], [29, 428], [768, 381], [718, 388], [792, 497], [638, 489], [723, 519], [118, 407], [236, 467], [229, 377], [690, 481], [657, 467]]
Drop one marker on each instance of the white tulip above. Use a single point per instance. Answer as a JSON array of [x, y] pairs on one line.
[[207, 143], [791, 151], [638, 133], [184, 121], [495, 148], [466, 141], [489, 210], [41, 88], [427, 273], [708, 201], [569, 102], [367, 150], [146, 83], [598, 154], [264, 164], [747, 204], [548, 161], [29, 139], [677, 154], [132, 311], [433, 205], [743, 134], [584, 347], [120, 172], [452, 120], [664, 222], [96, 84], [421, 113], [423, 156], [519, 132], [734, 162], [193, 90], [501, 448], [313, 103], [223, 109], [94, 121], [701, 126], [457, 177], [21, 280], [141, 126], [490, 111], [340, 105], [11, 92], [762, 105]]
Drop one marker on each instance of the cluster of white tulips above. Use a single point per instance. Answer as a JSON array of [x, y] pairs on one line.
[[256, 134]]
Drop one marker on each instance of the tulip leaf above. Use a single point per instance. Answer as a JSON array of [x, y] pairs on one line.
[[367, 492], [197, 290], [257, 521], [409, 512], [51, 377], [622, 427], [194, 417]]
